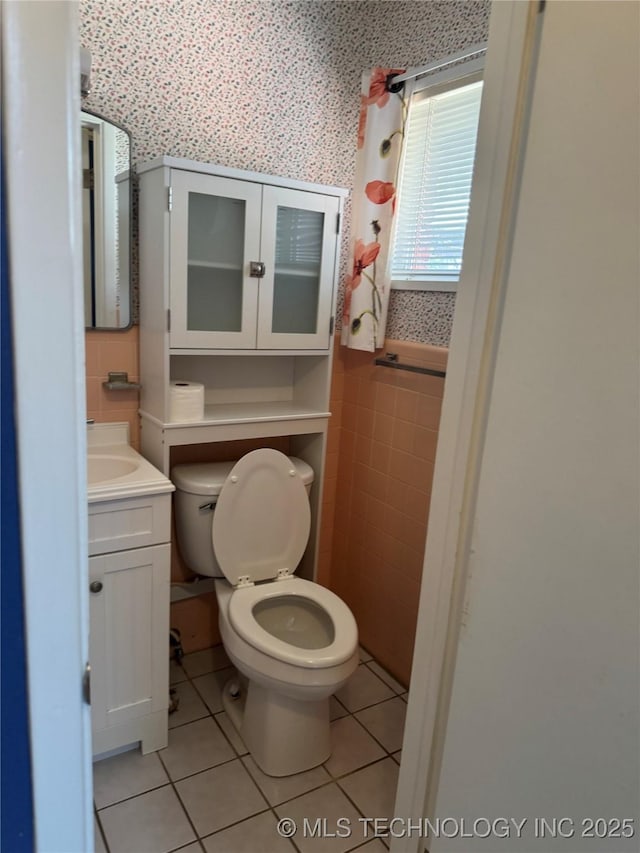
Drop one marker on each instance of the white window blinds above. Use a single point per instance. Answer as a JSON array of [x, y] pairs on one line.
[[435, 184], [299, 238]]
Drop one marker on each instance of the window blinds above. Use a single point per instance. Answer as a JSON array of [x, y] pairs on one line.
[[436, 184], [299, 238]]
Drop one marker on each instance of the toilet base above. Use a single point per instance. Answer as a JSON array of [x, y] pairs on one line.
[[283, 735]]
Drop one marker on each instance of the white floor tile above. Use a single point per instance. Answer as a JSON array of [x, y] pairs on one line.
[[208, 660], [277, 789], [210, 687], [231, 732], [373, 846], [220, 797], [352, 747], [389, 680], [228, 799], [364, 654], [316, 817], [336, 709], [385, 722], [258, 833], [373, 789], [98, 841], [151, 823], [363, 688], [176, 673], [190, 705], [194, 747], [126, 775]]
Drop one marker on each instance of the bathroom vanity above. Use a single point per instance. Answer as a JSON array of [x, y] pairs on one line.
[[237, 293], [129, 569]]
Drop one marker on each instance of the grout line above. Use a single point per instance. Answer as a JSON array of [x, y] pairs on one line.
[[204, 770], [341, 705], [182, 805], [373, 737], [184, 846], [332, 780], [382, 677], [103, 834], [133, 796], [379, 761]]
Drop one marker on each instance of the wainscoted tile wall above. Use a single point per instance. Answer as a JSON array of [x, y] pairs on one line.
[[380, 453], [377, 493], [113, 351], [274, 87]]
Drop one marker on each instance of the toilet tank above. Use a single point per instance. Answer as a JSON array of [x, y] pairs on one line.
[[197, 488]]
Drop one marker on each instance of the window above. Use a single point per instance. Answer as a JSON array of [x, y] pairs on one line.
[[435, 183]]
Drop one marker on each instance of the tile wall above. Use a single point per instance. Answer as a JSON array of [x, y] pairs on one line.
[[113, 351], [377, 493], [158, 69], [380, 453]]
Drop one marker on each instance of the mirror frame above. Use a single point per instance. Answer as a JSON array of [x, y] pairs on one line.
[[130, 229]]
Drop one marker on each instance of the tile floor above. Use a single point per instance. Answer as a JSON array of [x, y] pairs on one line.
[[204, 793]]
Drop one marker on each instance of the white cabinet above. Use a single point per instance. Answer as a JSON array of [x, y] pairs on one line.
[[251, 265], [250, 262], [129, 622], [237, 291]]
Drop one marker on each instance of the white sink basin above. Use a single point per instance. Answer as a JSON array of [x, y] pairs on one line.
[[105, 468], [116, 471]]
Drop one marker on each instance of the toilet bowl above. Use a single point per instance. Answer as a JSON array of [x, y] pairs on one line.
[[293, 641]]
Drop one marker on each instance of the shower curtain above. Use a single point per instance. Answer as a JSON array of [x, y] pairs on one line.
[[380, 138]]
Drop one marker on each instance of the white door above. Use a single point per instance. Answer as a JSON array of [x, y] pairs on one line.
[[543, 644], [40, 92], [214, 237], [299, 238]]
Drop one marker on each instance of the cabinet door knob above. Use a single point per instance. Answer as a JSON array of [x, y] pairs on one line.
[[96, 586], [256, 269]]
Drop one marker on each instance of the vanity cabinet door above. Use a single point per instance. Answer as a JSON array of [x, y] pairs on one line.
[[129, 615], [214, 237], [299, 242]]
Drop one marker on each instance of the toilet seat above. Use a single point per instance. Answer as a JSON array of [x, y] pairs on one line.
[[259, 532], [242, 619], [262, 519]]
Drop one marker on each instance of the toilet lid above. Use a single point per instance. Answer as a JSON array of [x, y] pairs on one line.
[[262, 518]]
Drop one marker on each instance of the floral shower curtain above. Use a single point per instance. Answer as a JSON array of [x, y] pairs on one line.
[[380, 137]]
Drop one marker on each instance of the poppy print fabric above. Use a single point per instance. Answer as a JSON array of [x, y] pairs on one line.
[[380, 136]]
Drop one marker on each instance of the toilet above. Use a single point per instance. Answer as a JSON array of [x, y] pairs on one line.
[[293, 641]]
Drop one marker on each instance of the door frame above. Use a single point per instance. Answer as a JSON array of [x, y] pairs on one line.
[[513, 35], [41, 88]]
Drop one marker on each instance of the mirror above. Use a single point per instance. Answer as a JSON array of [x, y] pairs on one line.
[[106, 222]]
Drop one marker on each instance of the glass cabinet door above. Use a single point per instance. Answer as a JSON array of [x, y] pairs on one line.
[[215, 233], [299, 239]]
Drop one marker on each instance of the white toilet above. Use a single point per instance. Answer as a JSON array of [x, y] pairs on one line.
[[294, 642]]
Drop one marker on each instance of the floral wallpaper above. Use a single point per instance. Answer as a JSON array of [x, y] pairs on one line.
[[271, 86]]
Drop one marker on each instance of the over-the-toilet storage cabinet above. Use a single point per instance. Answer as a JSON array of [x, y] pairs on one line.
[[237, 291]]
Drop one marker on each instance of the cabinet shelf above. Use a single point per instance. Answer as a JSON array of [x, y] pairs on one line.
[[214, 265], [300, 272], [223, 414], [232, 422], [266, 369]]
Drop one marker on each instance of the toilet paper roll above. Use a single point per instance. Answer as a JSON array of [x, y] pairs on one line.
[[186, 401]]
